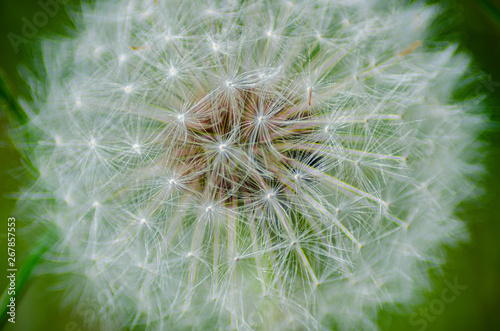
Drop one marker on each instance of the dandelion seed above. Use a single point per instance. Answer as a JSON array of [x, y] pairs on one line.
[[410, 49], [122, 58], [138, 48]]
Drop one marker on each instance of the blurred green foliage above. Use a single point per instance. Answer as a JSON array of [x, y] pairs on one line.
[[476, 265]]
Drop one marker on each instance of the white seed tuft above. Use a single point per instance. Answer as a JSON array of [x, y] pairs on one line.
[[299, 139]]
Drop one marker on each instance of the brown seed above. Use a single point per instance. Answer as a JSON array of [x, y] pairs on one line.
[[412, 47]]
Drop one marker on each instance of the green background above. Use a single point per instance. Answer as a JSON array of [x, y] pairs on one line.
[[476, 265]]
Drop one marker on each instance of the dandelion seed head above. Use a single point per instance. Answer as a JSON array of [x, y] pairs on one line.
[[299, 139]]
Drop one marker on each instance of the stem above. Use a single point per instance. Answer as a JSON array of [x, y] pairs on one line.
[[15, 110]]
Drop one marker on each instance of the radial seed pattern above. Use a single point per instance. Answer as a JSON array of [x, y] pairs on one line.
[[248, 164]]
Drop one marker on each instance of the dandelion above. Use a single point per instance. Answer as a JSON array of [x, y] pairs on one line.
[[248, 164]]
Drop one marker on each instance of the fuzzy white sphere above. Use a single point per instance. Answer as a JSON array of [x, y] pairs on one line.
[[248, 164]]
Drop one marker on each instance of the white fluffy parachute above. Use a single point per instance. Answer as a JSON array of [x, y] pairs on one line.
[[244, 165]]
